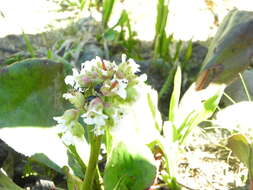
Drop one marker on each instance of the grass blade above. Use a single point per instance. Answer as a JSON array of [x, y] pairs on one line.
[[245, 87], [28, 44], [107, 11], [174, 101]]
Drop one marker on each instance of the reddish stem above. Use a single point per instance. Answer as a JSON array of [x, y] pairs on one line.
[[251, 185]]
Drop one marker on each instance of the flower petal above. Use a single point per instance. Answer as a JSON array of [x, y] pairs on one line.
[[68, 138]]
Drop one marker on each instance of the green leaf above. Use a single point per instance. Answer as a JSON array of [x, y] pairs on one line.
[[31, 93], [82, 3], [161, 42], [243, 150], [7, 184], [73, 182], [77, 130], [240, 147], [228, 52], [74, 165], [130, 164], [28, 44], [107, 10], [174, 101], [110, 35], [188, 54], [123, 18], [178, 48], [153, 111], [43, 159], [197, 116], [14, 58], [168, 82]]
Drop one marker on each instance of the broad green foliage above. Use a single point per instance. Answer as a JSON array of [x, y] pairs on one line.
[[7, 184], [129, 167], [230, 51], [31, 92]]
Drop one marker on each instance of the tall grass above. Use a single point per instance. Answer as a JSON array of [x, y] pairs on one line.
[[107, 11], [161, 41]]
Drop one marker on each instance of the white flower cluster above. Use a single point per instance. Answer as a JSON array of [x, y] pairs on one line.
[[100, 91]]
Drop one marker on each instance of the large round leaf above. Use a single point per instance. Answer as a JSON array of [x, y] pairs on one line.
[[31, 93]]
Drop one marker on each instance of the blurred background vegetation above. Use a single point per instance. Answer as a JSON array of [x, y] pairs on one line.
[[159, 35]]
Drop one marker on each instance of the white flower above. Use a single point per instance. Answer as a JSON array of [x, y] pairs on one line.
[[94, 117], [142, 78], [68, 96], [134, 66], [61, 128], [88, 66], [123, 58], [68, 138], [59, 120], [118, 116], [120, 88], [71, 79], [132, 63], [77, 99]]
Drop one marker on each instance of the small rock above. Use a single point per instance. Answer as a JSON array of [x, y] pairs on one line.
[[44, 185], [90, 51]]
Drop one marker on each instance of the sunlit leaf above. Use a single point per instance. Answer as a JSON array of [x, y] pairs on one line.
[[7, 184], [73, 182], [31, 93], [43, 159], [197, 116], [174, 101], [240, 147], [132, 165], [107, 10], [110, 35], [29, 45]]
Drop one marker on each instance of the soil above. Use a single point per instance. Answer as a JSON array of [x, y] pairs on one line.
[[208, 164], [205, 162]]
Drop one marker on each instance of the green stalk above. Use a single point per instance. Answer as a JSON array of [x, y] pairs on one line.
[[95, 143], [245, 87], [107, 11]]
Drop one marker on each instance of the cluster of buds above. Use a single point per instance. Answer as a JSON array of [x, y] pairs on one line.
[[101, 90]]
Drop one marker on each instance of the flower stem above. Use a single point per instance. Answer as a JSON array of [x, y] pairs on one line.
[[95, 143]]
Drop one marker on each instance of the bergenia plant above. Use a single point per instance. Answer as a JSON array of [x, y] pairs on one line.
[[100, 92]]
